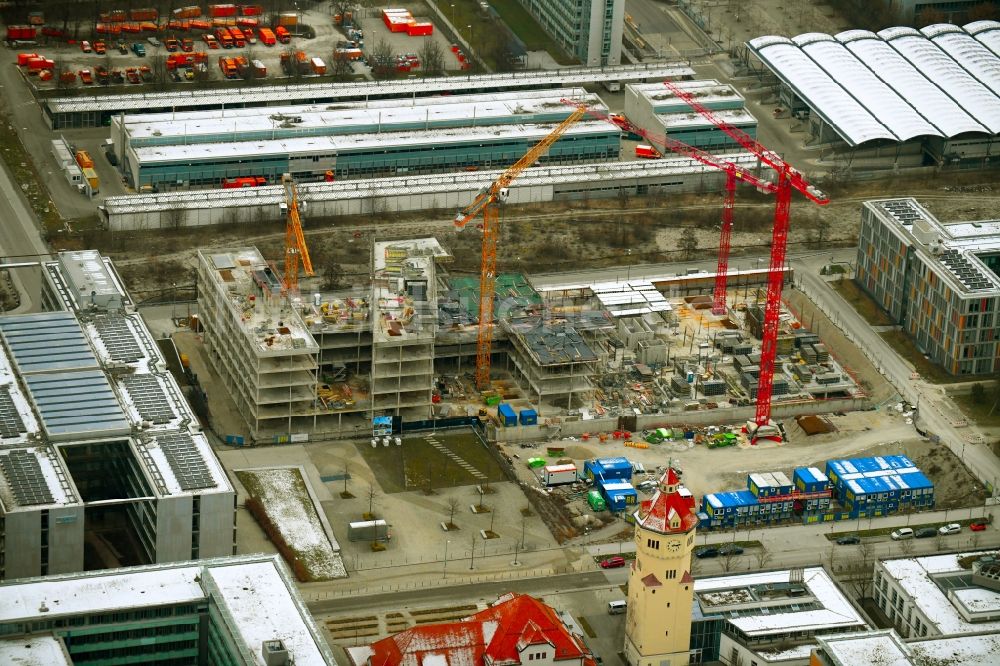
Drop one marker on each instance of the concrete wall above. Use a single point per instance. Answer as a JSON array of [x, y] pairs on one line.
[[22, 544], [733, 415], [173, 529], [66, 527], [218, 524]]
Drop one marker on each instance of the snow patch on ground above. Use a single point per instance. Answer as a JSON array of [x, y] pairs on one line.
[[283, 494]]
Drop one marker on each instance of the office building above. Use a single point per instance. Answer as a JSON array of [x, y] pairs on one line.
[[590, 30], [940, 282], [876, 648], [102, 462], [241, 611]]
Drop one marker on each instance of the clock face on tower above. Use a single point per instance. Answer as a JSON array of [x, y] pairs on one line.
[[673, 546]]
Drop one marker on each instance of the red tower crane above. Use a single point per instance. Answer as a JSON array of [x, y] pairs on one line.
[[733, 173], [788, 179]]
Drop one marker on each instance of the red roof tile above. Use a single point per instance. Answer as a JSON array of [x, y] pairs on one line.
[[665, 506], [500, 632], [652, 581]]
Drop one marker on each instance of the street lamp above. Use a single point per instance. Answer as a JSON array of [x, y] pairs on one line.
[[470, 34], [453, 13], [628, 274], [445, 571]]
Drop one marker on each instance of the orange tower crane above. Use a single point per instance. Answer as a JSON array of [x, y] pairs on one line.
[[488, 203], [733, 173], [788, 179], [296, 249]]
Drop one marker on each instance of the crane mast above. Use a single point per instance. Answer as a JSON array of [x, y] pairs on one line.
[[788, 179], [488, 205], [296, 250]]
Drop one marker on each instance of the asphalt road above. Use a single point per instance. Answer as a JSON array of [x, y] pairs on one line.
[[20, 241]]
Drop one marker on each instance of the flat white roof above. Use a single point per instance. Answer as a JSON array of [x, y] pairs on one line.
[[913, 575], [837, 611], [272, 195], [363, 89], [318, 107], [686, 119], [706, 90], [630, 298], [254, 592], [896, 84], [980, 650], [481, 112], [33, 650], [263, 605], [298, 146], [884, 648]]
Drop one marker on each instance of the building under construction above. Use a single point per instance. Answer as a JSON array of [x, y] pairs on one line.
[[405, 345]]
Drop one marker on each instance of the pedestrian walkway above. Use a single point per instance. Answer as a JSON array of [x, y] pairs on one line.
[[455, 458]]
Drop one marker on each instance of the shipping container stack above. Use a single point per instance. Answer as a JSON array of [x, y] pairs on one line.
[[770, 497], [612, 478], [400, 20], [880, 485]]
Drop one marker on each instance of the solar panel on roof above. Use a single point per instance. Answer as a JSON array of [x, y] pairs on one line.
[[118, 338], [185, 461], [25, 478], [11, 424], [149, 398]]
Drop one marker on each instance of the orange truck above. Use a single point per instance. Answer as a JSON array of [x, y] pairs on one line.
[[226, 39], [228, 67], [239, 41], [267, 37], [281, 32], [210, 41], [84, 160], [171, 43]]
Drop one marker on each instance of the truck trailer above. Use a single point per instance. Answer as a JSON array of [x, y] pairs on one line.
[[369, 530]]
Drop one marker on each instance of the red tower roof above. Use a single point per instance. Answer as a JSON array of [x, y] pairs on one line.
[[671, 509]]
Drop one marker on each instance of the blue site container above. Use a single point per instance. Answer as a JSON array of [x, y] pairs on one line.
[[507, 415], [529, 417], [618, 494], [810, 480], [608, 469]]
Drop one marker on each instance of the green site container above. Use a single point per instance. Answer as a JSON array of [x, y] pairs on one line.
[[595, 501], [493, 400], [535, 463]]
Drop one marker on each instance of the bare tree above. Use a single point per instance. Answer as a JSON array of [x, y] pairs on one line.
[[371, 502], [340, 68], [431, 58], [762, 556], [688, 242], [158, 67], [906, 545], [382, 60], [452, 505], [175, 218], [859, 571], [346, 494]]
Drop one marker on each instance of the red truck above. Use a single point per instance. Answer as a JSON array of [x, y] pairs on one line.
[[226, 39], [239, 41], [267, 36], [282, 34], [647, 152], [244, 181]]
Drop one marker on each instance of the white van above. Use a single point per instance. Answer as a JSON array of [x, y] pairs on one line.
[[617, 607], [902, 533]]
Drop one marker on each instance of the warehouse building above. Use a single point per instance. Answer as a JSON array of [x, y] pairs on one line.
[[900, 97], [908, 11], [102, 462], [98, 110], [772, 617], [395, 194], [938, 595], [590, 30], [231, 610], [940, 282], [656, 109], [369, 117], [364, 155]]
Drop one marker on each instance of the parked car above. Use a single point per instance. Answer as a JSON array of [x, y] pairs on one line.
[[613, 562], [848, 540], [139, 49], [950, 528], [100, 48], [706, 553], [925, 532], [901, 534], [153, 40], [85, 46], [978, 527], [123, 48], [730, 549]]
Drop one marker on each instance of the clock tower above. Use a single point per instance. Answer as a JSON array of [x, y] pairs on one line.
[[660, 586]]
